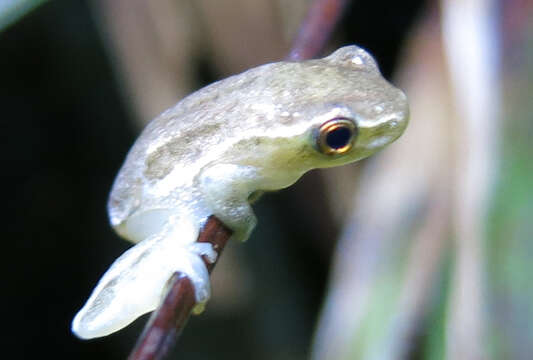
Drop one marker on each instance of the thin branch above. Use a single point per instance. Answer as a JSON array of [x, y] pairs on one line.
[[316, 29], [167, 322]]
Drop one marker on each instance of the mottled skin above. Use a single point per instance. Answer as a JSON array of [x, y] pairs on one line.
[[256, 131]]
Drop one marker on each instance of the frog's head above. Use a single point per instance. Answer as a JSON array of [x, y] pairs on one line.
[[355, 111]]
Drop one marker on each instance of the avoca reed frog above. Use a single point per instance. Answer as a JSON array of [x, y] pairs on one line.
[[217, 148]]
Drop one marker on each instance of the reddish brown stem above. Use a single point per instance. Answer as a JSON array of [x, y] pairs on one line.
[[316, 29], [167, 322]]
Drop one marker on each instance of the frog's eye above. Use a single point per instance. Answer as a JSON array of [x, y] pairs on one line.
[[336, 136]]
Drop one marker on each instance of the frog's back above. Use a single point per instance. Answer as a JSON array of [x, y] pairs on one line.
[[159, 170]]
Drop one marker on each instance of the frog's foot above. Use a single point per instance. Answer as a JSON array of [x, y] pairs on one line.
[[135, 283], [226, 189]]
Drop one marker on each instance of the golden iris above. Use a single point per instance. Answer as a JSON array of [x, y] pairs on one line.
[[336, 136]]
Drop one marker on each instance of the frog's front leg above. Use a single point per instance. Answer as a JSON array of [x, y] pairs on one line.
[[226, 189]]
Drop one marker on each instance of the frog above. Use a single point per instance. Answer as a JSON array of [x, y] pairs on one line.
[[215, 151]]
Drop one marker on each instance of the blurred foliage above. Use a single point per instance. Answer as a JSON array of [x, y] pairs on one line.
[[510, 246], [13, 10]]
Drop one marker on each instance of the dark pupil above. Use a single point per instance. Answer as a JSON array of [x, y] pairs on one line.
[[338, 138]]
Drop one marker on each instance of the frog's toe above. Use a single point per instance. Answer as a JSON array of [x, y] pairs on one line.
[[245, 228]]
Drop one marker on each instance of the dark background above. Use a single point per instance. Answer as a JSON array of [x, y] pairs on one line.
[[65, 132]]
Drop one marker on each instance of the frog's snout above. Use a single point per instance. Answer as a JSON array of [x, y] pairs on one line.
[[392, 123], [403, 113]]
